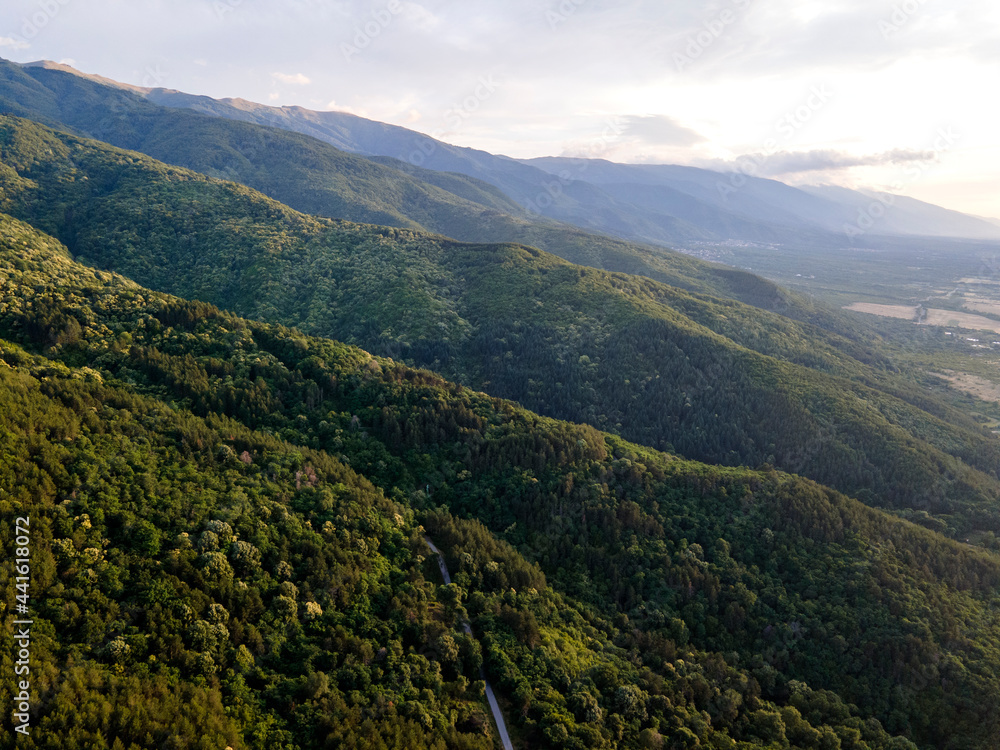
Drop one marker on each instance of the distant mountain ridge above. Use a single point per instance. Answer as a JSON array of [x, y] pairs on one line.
[[662, 204], [828, 208]]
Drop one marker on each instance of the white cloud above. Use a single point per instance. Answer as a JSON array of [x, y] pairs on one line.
[[13, 43], [660, 130], [334, 107], [784, 163], [297, 79]]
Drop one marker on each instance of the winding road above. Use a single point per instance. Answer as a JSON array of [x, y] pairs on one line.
[[490, 696]]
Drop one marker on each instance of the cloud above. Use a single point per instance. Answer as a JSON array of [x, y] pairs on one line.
[[13, 43], [660, 130], [297, 79], [332, 106], [784, 163], [986, 51]]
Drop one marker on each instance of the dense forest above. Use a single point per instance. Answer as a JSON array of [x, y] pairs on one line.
[[713, 380], [230, 520]]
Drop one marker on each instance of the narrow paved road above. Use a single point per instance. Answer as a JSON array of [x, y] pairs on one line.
[[490, 697]]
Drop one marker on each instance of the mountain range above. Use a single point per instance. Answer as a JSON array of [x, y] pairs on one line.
[[248, 372], [665, 205]]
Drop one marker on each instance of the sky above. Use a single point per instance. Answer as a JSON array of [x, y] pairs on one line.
[[896, 95]]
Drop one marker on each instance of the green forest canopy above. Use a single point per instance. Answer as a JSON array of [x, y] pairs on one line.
[[260, 494]]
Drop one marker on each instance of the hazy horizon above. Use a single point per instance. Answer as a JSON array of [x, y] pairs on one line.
[[884, 96]]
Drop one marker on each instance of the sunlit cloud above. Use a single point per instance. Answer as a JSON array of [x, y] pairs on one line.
[[820, 160], [660, 130], [296, 79]]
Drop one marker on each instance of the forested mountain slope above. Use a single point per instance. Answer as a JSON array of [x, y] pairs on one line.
[[714, 380], [312, 176], [224, 461], [201, 585]]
